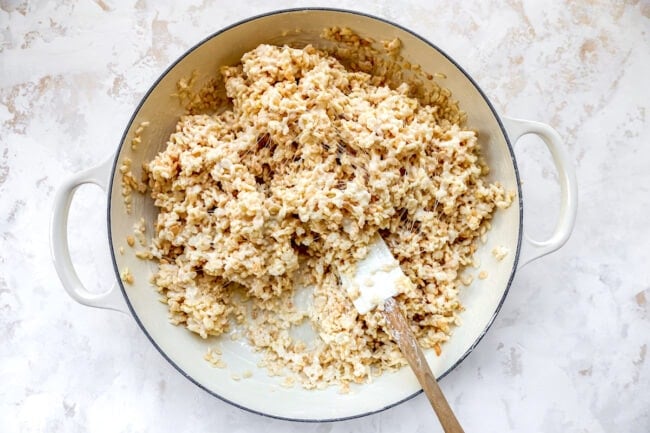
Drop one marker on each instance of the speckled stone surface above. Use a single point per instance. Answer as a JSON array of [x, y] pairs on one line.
[[569, 350]]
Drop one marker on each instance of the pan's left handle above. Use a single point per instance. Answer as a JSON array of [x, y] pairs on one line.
[[59, 248]]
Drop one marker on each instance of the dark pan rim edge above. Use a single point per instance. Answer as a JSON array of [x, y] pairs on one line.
[[250, 19]]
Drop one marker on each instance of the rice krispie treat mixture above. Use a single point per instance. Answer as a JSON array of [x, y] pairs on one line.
[[286, 188]]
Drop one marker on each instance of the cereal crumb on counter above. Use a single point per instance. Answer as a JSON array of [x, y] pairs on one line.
[[297, 175], [247, 374], [483, 275], [500, 252]]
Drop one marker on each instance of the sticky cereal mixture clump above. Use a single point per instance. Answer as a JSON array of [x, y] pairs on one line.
[[289, 185]]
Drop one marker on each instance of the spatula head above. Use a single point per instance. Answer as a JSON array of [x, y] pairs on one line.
[[378, 277]]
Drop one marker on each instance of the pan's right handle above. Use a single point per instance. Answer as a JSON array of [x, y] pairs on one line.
[[59, 248], [533, 249]]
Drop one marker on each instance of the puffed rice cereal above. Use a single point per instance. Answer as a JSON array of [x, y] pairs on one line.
[[288, 185]]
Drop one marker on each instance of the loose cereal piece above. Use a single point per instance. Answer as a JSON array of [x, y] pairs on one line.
[[137, 136], [466, 279], [483, 275], [126, 276], [288, 382], [144, 255], [213, 356], [500, 252], [139, 229]]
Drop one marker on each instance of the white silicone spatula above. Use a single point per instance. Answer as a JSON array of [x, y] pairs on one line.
[[377, 279]]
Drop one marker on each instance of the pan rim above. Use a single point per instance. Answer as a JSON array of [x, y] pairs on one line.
[[246, 21]]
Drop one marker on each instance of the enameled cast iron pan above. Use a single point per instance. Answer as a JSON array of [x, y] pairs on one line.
[[260, 393]]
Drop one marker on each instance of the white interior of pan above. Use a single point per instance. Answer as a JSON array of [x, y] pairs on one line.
[[260, 392]]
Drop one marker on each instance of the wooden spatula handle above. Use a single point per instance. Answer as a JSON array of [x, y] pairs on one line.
[[408, 344]]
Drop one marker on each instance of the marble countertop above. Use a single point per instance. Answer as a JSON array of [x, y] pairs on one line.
[[569, 350]]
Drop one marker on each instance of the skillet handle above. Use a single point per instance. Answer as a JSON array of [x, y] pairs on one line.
[[533, 249], [59, 248]]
